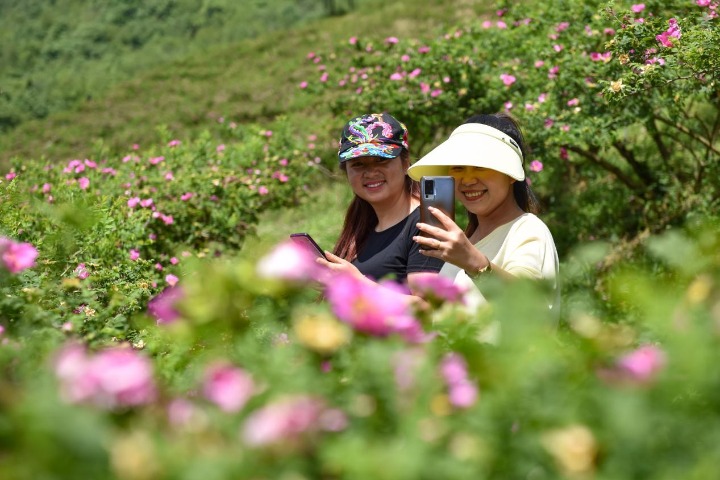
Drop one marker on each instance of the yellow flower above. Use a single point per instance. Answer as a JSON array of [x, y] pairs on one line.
[[574, 448], [699, 290], [616, 86], [321, 332], [624, 58]]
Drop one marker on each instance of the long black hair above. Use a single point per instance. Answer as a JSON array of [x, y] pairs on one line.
[[360, 217]]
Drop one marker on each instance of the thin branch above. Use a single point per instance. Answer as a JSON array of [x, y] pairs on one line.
[[640, 168], [657, 138], [622, 176], [689, 133]]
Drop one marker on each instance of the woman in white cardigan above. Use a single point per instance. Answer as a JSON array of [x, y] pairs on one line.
[[504, 237]]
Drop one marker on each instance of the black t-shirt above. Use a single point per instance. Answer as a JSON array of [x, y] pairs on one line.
[[392, 253]]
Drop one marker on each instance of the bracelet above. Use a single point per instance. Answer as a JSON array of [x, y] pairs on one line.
[[486, 269]]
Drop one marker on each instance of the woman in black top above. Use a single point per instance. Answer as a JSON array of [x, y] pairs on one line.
[[376, 241]]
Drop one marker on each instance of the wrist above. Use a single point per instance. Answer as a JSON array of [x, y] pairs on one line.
[[483, 269]]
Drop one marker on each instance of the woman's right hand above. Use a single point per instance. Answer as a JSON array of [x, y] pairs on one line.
[[449, 244], [337, 265]]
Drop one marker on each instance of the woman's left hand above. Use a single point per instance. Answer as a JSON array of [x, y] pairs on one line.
[[450, 244]]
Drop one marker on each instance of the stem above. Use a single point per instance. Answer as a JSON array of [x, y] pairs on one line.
[[622, 176]]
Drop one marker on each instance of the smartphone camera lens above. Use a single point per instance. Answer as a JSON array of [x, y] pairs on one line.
[[429, 187]]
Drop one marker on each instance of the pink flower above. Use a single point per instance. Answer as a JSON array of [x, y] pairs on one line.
[[507, 79], [134, 254], [169, 176], [643, 364], [303, 84], [148, 202], [415, 73], [396, 76], [46, 188], [156, 160], [573, 102], [539, 63], [133, 202], [424, 87], [81, 272], [423, 49], [16, 256], [186, 196], [353, 41], [10, 176], [135, 146], [173, 143], [174, 260], [90, 163], [220, 148], [182, 412], [171, 279], [290, 420], [462, 392], [324, 77], [600, 57], [637, 8], [227, 387], [289, 261], [405, 58], [113, 378], [666, 38], [263, 190], [553, 72], [430, 285], [391, 40], [378, 310], [536, 166], [501, 25], [84, 183], [436, 93]]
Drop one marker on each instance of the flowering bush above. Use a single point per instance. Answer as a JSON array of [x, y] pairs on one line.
[[615, 99], [106, 234], [254, 377]]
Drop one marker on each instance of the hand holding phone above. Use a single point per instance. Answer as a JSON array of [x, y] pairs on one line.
[[438, 192], [307, 242]]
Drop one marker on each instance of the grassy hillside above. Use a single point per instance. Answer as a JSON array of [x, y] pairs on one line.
[[247, 81]]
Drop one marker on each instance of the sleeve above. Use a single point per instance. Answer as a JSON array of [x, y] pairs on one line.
[[530, 252], [416, 261]]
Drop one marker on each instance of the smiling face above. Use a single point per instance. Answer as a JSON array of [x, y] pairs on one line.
[[377, 180], [484, 192]]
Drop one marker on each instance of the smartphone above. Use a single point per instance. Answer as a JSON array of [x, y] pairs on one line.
[[307, 241], [438, 192]]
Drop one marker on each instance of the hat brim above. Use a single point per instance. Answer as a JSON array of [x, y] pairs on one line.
[[471, 145], [384, 150]]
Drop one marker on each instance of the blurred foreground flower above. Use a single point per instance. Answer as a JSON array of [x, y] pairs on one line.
[[290, 421], [16, 256], [574, 449], [113, 378], [643, 364], [462, 391], [432, 286], [227, 387], [289, 261], [321, 333], [375, 309], [162, 306]]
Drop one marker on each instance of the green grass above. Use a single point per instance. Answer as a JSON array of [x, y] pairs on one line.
[[321, 215]]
